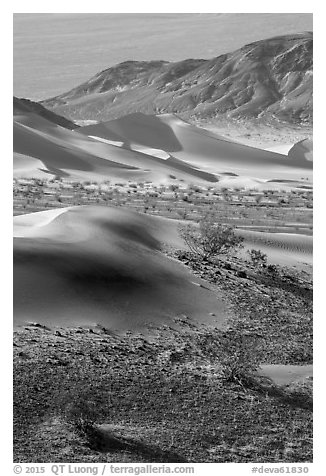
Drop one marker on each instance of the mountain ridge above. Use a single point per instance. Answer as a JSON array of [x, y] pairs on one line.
[[268, 79]]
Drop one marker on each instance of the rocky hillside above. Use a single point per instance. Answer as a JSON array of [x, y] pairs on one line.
[[268, 79]]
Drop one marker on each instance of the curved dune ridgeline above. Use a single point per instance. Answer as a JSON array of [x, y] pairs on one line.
[[87, 265], [138, 147], [302, 150], [82, 265], [70, 154], [198, 147]]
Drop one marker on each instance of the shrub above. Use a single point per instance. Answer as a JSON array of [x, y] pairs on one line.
[[237, 355], [258, 258], [211, 239], [81, 415], [271, 268]]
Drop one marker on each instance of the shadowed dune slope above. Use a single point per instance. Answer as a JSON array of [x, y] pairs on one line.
[[139, 147], [26, 107], [87, 265], [198, 147], [71, 154], [302, 150]]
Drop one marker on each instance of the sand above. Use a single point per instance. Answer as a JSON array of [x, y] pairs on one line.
[[89, 265], [201, 148], [160, 149], [302, 149], [286, 249], [72, 155], [287, 374]]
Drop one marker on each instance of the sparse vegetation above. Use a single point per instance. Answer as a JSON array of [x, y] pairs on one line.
[[96, 396], [211, 239], [237, 355], [80, 412], [135, 386], [239, 210], [258, 258]]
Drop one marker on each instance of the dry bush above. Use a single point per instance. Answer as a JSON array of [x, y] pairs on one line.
[[237, 355], [258, 258], [211, 239]]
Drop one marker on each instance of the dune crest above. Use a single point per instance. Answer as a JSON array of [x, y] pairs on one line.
[[139, 147], [199, 148], [88, 265]]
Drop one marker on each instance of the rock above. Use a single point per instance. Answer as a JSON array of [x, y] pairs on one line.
[[241, 274]]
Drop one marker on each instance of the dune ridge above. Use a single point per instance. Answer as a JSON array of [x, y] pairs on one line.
[[70, 154], [158, 149], [88, 265], [198, 147]]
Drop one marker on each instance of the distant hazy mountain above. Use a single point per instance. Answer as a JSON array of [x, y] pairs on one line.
[[269, 79], [25, 106]]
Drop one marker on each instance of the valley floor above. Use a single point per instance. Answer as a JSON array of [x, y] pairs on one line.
[[274, 210]]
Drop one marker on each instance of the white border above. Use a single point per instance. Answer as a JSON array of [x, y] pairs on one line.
[[320, 199]]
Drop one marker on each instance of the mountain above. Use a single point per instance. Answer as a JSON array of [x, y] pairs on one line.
[[269, 79], [25, 107]]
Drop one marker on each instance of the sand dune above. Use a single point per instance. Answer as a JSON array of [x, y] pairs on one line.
[[280, 149], [302, 150], [87, 265], [139, 147], [199, 147], [70, 154], [26, 166]]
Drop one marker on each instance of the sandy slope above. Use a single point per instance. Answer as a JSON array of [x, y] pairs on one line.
[[199, 147], [138, 147], [102, 265], [286, 249], [71, 154], [302, 150], [287, 374], [90, 264]]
